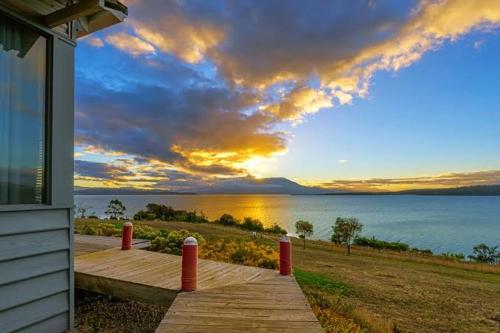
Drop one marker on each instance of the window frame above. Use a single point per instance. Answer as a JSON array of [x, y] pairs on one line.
[[46, 201]]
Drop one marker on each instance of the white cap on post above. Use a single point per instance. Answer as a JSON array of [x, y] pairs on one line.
[[190, 241], [127, 224], [285, 238]]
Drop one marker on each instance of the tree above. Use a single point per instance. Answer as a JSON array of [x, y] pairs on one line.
[[485, 254], [304, 229], [81, 211], [116, 209], [345, 231]]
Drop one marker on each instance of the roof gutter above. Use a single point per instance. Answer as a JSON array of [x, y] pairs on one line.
[[89, 15]]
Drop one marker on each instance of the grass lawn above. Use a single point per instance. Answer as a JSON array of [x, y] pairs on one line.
[[383, 291]]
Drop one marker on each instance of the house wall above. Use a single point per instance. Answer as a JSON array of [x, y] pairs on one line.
[[36, 241]]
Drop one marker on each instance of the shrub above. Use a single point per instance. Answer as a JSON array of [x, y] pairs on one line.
[[276, 229], [166, 213], [88, 230], [422, 251], [173, 241], [453, 256], [381, 244], [110, 229], [145, 232], [243, 253], [228, 220], [252, 224]]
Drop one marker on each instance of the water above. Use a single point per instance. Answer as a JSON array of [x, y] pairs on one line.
[[439, 223]]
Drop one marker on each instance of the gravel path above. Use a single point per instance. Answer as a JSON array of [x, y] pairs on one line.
[[96, 313]]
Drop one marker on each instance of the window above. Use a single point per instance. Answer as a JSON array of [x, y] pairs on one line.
[[23, 73]]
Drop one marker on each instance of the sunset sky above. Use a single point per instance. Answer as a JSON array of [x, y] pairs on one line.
[[362, 95]]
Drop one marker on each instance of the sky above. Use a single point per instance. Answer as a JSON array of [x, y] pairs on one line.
[[358, 95]]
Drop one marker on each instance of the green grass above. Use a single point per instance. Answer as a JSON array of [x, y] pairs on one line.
[[321, 282]]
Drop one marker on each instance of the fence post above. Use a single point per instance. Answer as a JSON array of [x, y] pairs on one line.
[[285, 256], [189, 264]]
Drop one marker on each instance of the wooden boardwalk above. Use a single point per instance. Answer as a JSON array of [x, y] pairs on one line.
[[230, 298]]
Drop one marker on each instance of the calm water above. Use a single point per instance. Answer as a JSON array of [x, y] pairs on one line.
[[439, 223]]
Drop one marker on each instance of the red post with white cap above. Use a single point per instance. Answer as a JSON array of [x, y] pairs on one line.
[[285, 256], [189, 264], [127, 236]]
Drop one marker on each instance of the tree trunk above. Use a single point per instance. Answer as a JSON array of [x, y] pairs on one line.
[[348, 249], [304, 242]]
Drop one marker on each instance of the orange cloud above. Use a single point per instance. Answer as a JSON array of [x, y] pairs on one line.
[[94, 41], [130, 44], [445, 180]]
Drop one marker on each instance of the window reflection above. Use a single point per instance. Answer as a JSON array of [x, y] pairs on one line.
[[22, 113]]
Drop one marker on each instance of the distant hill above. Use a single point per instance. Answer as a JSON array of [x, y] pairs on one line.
[[466, 190], [122, 191], [249, 185], [480, 190], [278, 185]]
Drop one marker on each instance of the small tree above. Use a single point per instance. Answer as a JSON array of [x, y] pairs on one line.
[[304, 229], [485, 254], [345, 231], [116, 209], [81, 211]]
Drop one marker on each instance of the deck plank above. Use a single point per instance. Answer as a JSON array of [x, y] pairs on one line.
[[230, 298]]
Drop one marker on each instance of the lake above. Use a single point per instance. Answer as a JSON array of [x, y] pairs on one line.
[[439, 223]]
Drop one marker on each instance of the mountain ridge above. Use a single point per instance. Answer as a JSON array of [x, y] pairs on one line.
[[281, 185]]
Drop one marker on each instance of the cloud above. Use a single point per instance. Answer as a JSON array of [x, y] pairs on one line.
[[202, 129], [131, 44], [434, 181], [99, 170], [298, 103], [262, 43], [123, 173], [218, 79], [343, 161], [94, 41]]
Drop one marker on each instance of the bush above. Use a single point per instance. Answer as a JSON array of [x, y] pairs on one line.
[[228, 220], [110, 229], [252, 224], [166, 213], [276, 229], [173, 241], [243, 253], [453, 256], [422, 251], [381, 244]]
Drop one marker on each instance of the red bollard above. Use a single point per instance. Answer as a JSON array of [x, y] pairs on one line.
[[285, 256], [127, 236], [189, 264]]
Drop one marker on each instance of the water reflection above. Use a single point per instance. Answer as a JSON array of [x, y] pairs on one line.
[[22, 113]]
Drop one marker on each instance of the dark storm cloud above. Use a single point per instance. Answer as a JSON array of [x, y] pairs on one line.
[[263, 41], [100, 170], [175, 126]]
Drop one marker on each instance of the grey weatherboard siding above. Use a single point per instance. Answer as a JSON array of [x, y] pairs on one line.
[[36, 241]]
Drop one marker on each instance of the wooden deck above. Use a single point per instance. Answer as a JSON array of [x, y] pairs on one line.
[[230, 298], [88, 244]]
